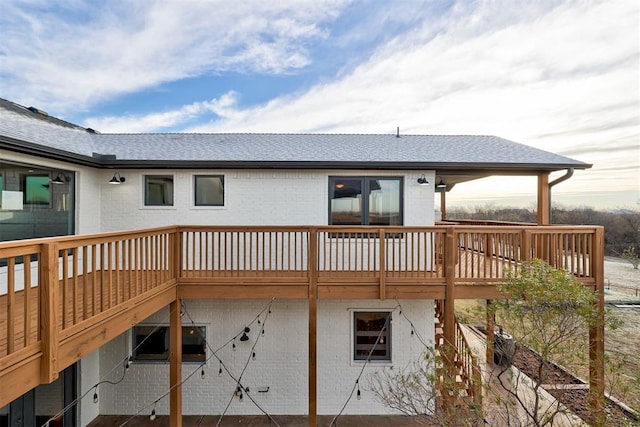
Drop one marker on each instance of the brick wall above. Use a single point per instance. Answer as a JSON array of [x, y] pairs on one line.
[[281, 359], [252, 197]]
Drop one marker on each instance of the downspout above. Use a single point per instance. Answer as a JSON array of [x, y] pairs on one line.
[[557, 181]]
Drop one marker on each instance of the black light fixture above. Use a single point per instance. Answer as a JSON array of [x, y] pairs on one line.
[[423, 180], [117, 179], [244, 336], [60, 179], [441, 185]]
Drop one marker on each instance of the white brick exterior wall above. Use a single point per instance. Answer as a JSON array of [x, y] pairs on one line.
[[281, 359], [278, 197]]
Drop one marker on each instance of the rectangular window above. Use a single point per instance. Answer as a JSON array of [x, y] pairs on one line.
[[365, 201], [372, 335], [36, 190], [158, 190], [151, 343], [209, 190]]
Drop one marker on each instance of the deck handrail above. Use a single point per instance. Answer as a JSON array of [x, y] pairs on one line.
[[51, 288]]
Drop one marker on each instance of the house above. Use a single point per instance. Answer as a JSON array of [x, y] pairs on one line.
[[282, 261]]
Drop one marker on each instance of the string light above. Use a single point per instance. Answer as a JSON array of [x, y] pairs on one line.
[[253, 356], [152, 417], [214, 353], [129, 361], [202, 374], [95, 396]]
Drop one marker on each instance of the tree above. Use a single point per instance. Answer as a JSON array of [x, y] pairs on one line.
[[417, 390], [547, 311], [630, 255]]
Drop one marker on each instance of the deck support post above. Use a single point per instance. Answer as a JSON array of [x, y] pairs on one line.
[[448, 348], [175, 363], [491, 322], [383, 265], [596, 336], [443, 205], [49, 303], [313, 326], [544, 199]]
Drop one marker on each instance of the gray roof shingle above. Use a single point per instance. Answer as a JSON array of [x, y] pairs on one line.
[[22, 128]]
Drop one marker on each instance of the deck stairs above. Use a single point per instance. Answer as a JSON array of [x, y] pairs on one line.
[[463, 386]]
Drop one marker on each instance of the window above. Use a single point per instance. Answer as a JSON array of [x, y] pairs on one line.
[[365, 201], [36, 190], [151, 343], [209, 190], [372, 328], [158, 190]]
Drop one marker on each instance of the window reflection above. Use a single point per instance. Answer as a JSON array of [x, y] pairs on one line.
[[382, 206]]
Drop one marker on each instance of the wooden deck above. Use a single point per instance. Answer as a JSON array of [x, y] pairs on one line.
[[82, 291]]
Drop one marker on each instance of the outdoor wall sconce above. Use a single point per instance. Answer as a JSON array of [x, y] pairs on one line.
[[244, 336], [60, 179], [423, 180], [117, 179]]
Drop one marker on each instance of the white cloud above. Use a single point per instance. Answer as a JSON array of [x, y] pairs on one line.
[[90, 53], [155, 122]]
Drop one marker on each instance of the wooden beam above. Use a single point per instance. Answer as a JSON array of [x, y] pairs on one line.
[[596, 335], [383, 265], [449, 301], [491, 321], [544, 199], [443, 205], [313, 327], [49, 301], [175, 363]]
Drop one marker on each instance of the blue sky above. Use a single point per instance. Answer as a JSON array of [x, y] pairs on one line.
[[558, 75]]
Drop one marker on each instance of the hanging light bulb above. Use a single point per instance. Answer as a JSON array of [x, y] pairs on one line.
[[412, 333], [358, 394], [263, 331], [153, 414], [129, 361], [202, 374], [244, 337], [253, 356], [241, 396], [382, 339], [95, 396], [233, 346], [220, 370], [258, 321]]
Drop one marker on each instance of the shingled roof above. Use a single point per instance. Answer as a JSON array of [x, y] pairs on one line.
[[31, 131]]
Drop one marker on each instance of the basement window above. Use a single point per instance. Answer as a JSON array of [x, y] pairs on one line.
[[151, 343], [372, 335]]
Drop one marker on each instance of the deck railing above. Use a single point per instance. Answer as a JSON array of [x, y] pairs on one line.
[[51, 289]]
